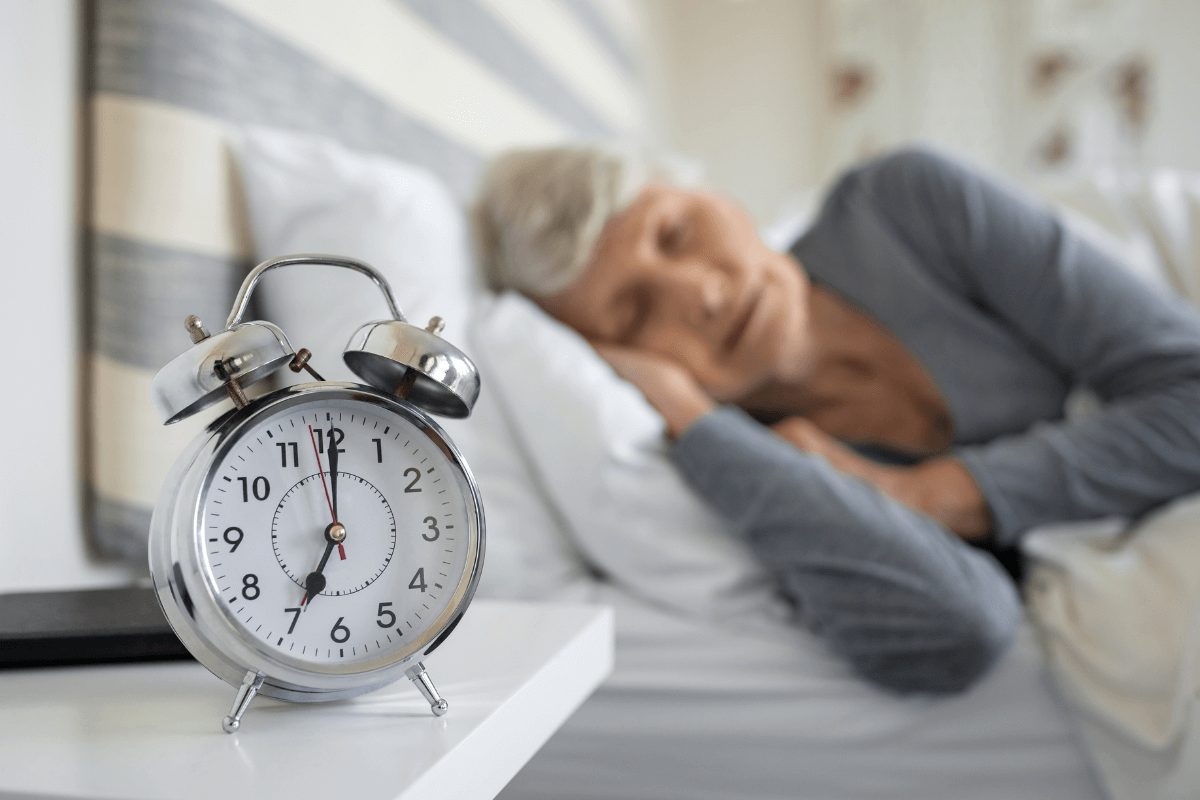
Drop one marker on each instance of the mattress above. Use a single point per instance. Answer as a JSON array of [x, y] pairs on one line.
[[697, 710]]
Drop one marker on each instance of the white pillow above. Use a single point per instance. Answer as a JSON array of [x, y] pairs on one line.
[[598, 448], [528, 556], [307, 194], [795, 217]]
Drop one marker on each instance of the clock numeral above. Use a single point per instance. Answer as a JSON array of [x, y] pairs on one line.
[[260, 487], [384, 612], [233, 538], [283, 453], [416, 476], [431, 523], [378, 450], [295, 618], [339, 633], [418, 580], [250, 589], [335, 436]]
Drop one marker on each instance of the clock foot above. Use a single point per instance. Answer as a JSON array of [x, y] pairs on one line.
[[246, 692], [418, 675]]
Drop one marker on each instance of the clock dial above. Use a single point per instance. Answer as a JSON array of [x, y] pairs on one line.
[[336, 531], [363, 509]]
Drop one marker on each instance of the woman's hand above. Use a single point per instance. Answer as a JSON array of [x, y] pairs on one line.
[[939, 487], [666, 385], [805, 434]]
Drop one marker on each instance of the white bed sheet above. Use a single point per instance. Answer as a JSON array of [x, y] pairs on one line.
[[697, 712]]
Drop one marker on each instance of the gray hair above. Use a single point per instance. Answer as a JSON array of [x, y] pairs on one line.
[[540, 211]]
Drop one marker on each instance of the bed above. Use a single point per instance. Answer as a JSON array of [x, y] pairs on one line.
[[693, 712], [705, 702]]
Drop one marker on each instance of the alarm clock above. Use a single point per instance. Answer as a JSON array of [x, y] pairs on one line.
[[316, 542]]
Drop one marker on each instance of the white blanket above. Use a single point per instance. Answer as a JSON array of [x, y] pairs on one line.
[[1118, 609]]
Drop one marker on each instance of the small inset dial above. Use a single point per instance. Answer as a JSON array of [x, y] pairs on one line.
[[299, 534]]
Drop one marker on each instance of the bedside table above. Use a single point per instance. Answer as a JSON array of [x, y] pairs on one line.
[[512, 673]]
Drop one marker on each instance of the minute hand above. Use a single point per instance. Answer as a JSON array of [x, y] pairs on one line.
[[329, 500], [333, 473]]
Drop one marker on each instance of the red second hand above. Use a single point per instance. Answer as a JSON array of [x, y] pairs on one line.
[[321, 471]]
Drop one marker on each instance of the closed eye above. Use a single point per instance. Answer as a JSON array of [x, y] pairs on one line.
[[672, 236]]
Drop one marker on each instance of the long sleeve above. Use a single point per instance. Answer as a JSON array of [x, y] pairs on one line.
[[905, 602], [1090, 319]]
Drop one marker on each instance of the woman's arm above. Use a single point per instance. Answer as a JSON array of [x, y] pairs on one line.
[[940, 487], [907, 604], [1103, 328], [910, 605]]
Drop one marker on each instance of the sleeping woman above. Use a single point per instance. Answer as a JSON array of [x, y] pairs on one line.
[[880, 411]]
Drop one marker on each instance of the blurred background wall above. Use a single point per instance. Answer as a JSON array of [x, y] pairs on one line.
[[41, 542], [776, 96], [738, 86]]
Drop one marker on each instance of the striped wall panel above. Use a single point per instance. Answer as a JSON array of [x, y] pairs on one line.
[[438, 83]]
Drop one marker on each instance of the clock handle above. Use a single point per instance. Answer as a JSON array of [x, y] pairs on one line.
[[437, 704], [243, 296]]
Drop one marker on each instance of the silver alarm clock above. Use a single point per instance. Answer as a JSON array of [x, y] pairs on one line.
[[316, 542]]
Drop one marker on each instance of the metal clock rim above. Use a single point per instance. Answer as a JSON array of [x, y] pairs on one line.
[[200, 619]]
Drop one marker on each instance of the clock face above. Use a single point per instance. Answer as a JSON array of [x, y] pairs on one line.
[[336, 531]]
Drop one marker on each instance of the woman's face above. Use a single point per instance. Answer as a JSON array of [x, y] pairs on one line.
[[683, 274]]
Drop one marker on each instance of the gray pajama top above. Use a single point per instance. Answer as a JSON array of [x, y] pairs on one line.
[[1008, 311]]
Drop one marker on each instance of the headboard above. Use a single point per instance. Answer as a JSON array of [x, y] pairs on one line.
[[438, 83]]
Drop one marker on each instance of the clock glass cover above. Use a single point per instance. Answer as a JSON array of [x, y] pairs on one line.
[[336, 532]]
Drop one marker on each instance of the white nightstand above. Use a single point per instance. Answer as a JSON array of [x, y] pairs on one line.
[[512, 672]]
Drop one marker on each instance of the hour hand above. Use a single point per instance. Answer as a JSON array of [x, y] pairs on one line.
[[314, 584]]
